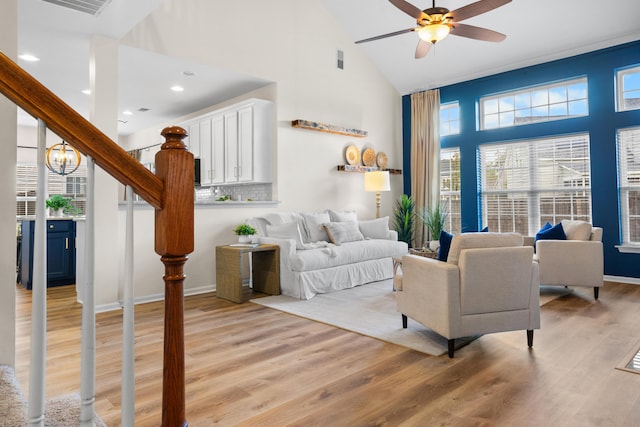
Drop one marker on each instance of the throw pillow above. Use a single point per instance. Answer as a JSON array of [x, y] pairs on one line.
[[288, 230], [551, 233], [343, 216], [375, 228], [576, 230], [313, 226], [343, 232], [445, 245], [485, 230]]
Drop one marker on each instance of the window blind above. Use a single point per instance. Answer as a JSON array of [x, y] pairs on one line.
[[629, 183], [450, 187], [524, 184]]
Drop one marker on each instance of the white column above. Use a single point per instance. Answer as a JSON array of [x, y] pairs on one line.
[[8, 135], [128, 323], [38, 365]]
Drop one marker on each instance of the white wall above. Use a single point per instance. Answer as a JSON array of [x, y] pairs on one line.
[[276, 41], [8, 136]]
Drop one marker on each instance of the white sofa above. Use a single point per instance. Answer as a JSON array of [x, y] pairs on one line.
[[328, 251]]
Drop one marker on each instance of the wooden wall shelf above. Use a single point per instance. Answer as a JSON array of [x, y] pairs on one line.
[[322, 127], [362, 169]]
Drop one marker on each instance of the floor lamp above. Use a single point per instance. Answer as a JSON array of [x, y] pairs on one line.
[[376, 182]]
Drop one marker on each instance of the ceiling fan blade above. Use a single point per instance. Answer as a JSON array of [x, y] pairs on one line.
[[395, 33], [408, 8], [477, 33], [422, 49], [477, 8]]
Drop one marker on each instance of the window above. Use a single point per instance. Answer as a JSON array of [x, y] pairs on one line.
[[629, 183], [450, 187], [628, 89], [525, 184], [537, 104], [74, 186], [449, 119]]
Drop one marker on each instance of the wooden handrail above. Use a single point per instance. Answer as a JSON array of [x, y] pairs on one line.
[[34, 98], [170, 192]]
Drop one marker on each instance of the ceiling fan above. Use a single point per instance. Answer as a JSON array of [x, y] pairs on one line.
[[435, 23]]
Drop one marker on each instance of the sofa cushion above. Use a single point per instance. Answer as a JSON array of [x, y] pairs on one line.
[[481, 240], [343, 232], [289, 230], [313, 224], [445, 245], [576, 230], [347, 253], [375, 228], [342, 216], [555, 232]]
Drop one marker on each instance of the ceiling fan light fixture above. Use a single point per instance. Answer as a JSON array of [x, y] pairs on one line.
[[433, 33]]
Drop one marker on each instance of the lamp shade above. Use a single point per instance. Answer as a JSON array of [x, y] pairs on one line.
[[434, 32], [377, 181]]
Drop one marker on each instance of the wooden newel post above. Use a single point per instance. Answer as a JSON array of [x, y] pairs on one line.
[[173, 241]]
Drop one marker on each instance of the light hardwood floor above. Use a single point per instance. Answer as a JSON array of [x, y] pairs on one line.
[[249, 365]]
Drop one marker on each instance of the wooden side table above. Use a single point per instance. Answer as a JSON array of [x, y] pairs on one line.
[[265, 271]]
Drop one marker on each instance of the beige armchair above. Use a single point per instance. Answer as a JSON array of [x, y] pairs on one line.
[[577, 261], [488, 284]]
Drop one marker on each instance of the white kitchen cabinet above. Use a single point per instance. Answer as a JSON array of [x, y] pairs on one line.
[[234, 144]]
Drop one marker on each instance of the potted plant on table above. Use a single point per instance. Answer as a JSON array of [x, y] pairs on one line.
[[434, 219], [58, 204], [244, 232]]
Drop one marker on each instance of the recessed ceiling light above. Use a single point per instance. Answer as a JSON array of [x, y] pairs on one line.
[[177, 88], [28, 57], [127, 113], [86, 92]]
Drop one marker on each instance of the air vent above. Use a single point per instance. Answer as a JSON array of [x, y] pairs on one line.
[[92, 7]]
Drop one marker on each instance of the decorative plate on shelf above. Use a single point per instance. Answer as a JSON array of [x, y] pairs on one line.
[[352, 155], [369, 157], [381, 160]]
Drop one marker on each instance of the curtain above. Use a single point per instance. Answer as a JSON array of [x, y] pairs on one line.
[[425, 156]]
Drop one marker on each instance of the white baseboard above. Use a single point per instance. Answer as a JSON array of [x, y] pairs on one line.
[[622, 279], [152, 298]]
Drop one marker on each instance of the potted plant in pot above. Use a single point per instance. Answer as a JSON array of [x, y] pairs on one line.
[[404, 218], [244, 232], [434, 219], [58, 204]]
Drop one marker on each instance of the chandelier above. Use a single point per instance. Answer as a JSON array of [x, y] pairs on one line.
[[62, 159]]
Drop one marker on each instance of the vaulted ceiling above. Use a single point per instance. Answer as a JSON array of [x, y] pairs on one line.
[[537, 31]]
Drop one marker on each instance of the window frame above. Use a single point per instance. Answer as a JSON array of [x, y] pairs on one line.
[[446, 107], [620, 90], [532, 92], [454, 219], [623, 184], [535, 189]]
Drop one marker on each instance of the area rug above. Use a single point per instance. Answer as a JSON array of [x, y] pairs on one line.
[[371, 310], [368, 310]]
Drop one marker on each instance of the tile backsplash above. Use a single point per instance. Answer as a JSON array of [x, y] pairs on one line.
[[240, 192]]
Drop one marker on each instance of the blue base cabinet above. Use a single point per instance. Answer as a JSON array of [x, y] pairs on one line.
[[61, 253]]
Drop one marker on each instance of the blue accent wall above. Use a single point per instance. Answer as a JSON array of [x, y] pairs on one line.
[[602, 124]]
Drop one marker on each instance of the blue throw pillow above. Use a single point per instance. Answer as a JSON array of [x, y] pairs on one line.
[[445, 245], [485, 230], [549, 232]]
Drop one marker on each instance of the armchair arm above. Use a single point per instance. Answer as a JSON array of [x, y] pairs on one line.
[[570, 262], [430, 293]]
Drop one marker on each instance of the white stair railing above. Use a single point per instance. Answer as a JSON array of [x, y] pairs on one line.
[[37, 364], [128, 323], [88, 338]]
